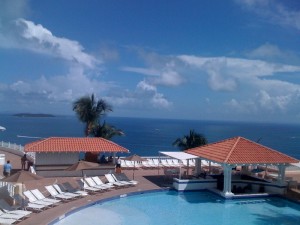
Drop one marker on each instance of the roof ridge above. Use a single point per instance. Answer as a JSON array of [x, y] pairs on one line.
[[32, 144], [232, 149]]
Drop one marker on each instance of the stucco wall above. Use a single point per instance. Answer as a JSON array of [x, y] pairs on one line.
[[56, 158]]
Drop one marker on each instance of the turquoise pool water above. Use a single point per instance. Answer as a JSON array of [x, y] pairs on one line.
[[173, 208]]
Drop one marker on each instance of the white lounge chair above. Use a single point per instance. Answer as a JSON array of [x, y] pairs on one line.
[[145, 164], [89, 188], [32, 199], [92, 183], [39, 195], [73, 195], [98, 181], [156, 162], [4, 215], [111, 180], [36, 207], [129, 182], [55, 194], [67, 187], [5, 207], [7, 221]]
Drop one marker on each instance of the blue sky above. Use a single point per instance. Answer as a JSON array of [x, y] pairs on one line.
[[209, 59]]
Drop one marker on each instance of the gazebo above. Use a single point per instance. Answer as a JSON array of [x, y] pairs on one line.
[[61, 152], [239, 151]]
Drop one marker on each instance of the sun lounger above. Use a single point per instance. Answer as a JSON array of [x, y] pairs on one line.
[[92, 183], [69, 188], [128, 182], [32, 199], [111, 180], [7, 221], [4, 215], [89, 188], [156, 162], [39, 195], [52, 191], [5, 207], [35, 207], [58, 189], [145, 164], [98, 181]]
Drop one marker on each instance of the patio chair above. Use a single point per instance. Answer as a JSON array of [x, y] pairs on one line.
[[35, 207], [128, 182], [89, 188], [92, 183], [56, 195], [5, 207], [39, 195], [4, 215], [98, 181], [58, 189], [32, 199], [111, 180], [7, 221], [145, 164], [69, 188]]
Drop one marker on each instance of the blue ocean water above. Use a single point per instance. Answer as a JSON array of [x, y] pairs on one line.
[[147, 137]]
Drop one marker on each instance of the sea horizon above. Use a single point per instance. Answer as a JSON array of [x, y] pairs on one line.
[[148, 136]]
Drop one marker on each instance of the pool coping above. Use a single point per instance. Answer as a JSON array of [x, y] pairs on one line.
[[56, 220]]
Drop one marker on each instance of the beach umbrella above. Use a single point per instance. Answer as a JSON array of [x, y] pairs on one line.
[[81, 166], [134, 158], [21, 177], [2, 128]]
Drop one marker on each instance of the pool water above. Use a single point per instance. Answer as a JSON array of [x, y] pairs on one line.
[[190, 208]]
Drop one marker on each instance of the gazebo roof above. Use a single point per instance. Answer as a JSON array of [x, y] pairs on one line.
[[73, 144], [239, 150]]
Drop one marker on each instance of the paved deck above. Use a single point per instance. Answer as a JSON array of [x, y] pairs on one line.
[[149, 179]]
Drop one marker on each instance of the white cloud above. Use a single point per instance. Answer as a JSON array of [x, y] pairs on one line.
[[144, 86], [39, 39], [160, 101], [273, 11], [143, 71]]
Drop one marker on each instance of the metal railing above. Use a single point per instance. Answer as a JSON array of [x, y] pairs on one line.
[[11, 146]]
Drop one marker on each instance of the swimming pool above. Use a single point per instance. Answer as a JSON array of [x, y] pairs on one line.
[[188, 208]]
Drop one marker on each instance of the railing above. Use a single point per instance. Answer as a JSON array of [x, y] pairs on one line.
[[11, 146], [9, 187], [17, 149]]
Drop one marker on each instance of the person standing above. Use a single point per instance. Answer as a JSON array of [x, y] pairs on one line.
[[23, 161], [118, 163], [7, 169]]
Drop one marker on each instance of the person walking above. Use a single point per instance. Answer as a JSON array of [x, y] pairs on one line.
[[23, 161], [7, 169]]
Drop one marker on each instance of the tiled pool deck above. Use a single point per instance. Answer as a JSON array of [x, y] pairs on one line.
[[149, 179]]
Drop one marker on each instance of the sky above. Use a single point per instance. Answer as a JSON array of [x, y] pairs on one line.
[[201, 60]]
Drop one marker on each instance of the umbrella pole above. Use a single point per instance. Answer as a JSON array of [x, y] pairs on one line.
[[133, 170]]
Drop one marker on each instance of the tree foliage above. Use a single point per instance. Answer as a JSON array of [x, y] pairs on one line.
[[192, 140]]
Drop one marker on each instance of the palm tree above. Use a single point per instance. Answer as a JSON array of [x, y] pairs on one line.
[[89, 111], [106, 131], [192, 140]]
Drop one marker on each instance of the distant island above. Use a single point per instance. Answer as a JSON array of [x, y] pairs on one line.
[[33, 115]]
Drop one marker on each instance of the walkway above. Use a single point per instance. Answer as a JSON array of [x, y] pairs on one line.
[[148, 180]]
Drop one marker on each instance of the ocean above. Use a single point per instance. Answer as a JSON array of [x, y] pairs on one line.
[[146, 137]]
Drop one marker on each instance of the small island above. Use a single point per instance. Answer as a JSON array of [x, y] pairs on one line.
[[33, 115]]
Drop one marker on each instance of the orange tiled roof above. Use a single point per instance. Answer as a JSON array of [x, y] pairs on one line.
[[239, 150], [72, 144]]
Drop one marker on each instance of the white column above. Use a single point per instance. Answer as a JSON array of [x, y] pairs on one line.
[[281, 174], [227, 181], [198, 166]]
